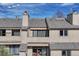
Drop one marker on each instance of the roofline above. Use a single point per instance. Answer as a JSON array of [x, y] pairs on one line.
[[64, 28], [37, 27], [10, 27]]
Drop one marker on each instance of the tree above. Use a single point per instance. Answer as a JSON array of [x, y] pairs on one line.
[[4, 51], [59, 14]]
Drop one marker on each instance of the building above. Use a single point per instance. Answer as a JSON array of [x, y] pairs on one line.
[[41, 37]]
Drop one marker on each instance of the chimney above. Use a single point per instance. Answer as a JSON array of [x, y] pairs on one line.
[[17, 18], [73, 18], [25, 19]]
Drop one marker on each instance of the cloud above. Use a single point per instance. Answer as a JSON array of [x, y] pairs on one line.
[[6, 4], [67, 4], [33, 4], [35, 9], [9, 7], [18, 4], [8, 10]]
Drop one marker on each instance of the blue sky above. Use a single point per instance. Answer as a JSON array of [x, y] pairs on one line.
[[36, 10]]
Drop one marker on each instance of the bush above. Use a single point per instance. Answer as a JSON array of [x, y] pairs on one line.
[[4, 51]]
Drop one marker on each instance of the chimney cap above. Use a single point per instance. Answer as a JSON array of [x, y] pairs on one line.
[[17, 17], [25, 11]]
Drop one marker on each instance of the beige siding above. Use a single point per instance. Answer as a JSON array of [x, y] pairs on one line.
[[55, 53], [30, 33], [29, 52], [73, 36], [24, 37], [75, 52], [9, 38], [25, 20], [76, 19], [38, 39]]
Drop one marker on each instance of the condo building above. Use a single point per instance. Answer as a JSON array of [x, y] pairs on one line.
[[41, 36]]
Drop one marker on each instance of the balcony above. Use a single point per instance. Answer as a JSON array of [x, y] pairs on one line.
[[38, 41], [10, 39]]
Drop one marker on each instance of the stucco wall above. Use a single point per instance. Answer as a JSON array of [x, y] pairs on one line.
[[9, 38], [29, 52], [24, 37], [75, 52], [25, 20], [76, 19], [73, 36], [55, 53], [73, 18]]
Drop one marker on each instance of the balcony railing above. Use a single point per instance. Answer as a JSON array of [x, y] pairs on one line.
[[10, 39], [38, 39]]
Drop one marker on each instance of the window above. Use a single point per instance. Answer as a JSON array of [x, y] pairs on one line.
[[40, 33], [66, 53], [16, 32], [14, 49], [63, 32], [34, 33], [2, 32]]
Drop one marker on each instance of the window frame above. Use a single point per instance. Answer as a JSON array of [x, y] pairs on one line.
[[61, 32], [15, 30], [2, 32], [14, 49], [64, 33], [67, 52], [38, 32]]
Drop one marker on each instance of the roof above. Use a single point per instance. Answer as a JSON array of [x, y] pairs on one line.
[[10, 23], [34, 23], [60, 24], [37, 23], [64, 45], [55, 24]]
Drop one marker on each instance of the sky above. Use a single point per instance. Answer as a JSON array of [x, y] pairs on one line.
[[35, 10]]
